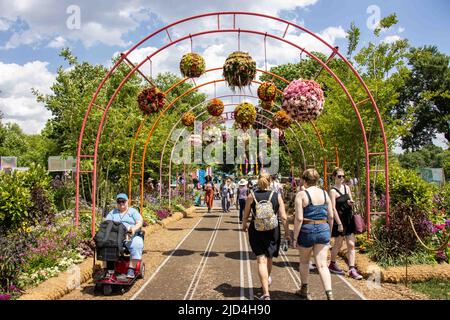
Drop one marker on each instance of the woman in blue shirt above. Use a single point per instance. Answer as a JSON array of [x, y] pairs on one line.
[[133, 221]]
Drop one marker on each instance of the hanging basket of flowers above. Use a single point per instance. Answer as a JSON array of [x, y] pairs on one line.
[[245, 115], [188, 119], [303, 100], [281, 120], [192, 65], [266, 105], [151, 100], [267, 91], [239, 70], [215, 107]]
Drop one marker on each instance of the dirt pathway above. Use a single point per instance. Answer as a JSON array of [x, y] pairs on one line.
[[206, 256]]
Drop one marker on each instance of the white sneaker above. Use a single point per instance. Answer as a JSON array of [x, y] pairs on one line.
[[270, 280]]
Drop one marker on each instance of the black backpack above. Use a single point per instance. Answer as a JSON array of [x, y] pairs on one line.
[[109, 240]]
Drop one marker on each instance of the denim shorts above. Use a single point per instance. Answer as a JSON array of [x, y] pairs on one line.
[[312, 234]]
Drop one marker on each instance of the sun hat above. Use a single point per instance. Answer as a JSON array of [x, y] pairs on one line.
[[122, 196], [243, 182]]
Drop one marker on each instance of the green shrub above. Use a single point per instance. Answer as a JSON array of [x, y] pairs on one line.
[[15, 200], [25, 199], [406, 186]]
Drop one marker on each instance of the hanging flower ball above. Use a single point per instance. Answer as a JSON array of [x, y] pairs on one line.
[[303, 100], [188, 119], [266, 105], [151, 100], [192, 65], [215, 107], [245, 114], [239, 70], [282, 120], [267, 91]]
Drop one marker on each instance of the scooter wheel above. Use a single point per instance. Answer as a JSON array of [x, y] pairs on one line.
[[142, 271], [97, 287], [107, 289]]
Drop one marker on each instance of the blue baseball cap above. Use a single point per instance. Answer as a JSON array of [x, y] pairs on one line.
[[122, 196]]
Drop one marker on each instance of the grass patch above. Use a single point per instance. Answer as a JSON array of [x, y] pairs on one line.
[[435, 288]]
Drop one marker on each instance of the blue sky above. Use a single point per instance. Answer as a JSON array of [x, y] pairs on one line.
[[33, 31]]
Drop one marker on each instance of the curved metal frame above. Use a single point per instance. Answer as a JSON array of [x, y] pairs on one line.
[[203, 112], [205, 102], [257, 122], [335, 52]]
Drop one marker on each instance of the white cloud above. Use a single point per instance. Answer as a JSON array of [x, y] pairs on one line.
[[391, 39], [58, 42], [401, 29], [4, 24], [107, 24], [17, 103]]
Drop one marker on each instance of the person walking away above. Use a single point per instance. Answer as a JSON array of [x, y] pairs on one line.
[[242, 197], [264, 230], [232, 193], [312, 231], [209, 192], [342, 201], [225, 194]]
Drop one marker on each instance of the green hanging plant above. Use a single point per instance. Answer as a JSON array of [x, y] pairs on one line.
[[245, 115], [239, 70], [192, 65]]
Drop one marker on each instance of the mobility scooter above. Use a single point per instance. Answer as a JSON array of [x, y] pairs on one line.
[[106, 281]]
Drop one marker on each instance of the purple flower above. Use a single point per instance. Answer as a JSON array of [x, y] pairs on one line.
[[441, 255], [13, 288], [447, 223], [5, 297]]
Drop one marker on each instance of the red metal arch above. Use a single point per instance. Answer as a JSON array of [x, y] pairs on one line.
[[335, 52]]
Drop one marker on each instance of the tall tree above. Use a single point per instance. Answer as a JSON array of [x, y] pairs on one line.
[[425, 97]]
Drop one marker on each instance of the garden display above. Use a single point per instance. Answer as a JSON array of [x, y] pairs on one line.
[[303, 100], [151, 100], [239, 70], [192, 65], [188, 119], [245, 115], [281, 120], [267, 91], [266, 105], [215, 107]]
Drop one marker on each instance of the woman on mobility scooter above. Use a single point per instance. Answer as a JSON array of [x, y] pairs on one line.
[[133, 222]]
